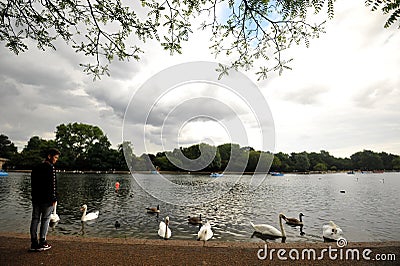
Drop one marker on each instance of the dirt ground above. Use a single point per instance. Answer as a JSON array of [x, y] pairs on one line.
[[74, 250]]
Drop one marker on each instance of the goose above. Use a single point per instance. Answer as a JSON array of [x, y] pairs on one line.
[[205, 233], [54, 218], [153, 209], [89, 216], [295, 221], [331, 232], [164, 230], [195, 220], [266, 229]]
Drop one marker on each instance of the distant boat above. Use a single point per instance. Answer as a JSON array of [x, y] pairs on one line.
[[276, 174], [3, 173], [216, 175], [350, 173], [154, 172]]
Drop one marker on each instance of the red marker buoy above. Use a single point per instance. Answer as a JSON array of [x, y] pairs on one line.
[[116, 185]]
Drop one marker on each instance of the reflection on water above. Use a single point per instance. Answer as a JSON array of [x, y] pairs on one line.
[[367, 211]]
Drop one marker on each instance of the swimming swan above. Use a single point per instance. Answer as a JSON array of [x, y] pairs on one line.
[[89, 216], [331, 232], [164, 230], [266, 229], [54, 218], [294, 221], [205, 233]]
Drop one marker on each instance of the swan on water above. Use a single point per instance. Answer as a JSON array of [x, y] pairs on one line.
[[331, 232], [164, 230], [266, 229], [205, 233], [89, 216]]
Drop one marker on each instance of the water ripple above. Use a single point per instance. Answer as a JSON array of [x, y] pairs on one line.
[[366, 211]]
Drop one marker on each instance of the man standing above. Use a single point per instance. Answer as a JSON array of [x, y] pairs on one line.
[[44, 197]]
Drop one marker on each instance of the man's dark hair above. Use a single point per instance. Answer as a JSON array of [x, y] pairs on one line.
[[53, 151]]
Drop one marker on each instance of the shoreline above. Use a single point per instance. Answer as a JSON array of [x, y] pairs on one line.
[[208, 173], [77, 250]]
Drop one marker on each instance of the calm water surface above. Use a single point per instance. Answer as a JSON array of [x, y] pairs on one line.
[[367, 211]]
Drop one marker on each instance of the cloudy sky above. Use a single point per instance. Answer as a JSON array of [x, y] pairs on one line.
[[341, 96]]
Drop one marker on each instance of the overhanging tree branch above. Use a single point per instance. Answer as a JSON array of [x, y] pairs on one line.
[[106, 30]]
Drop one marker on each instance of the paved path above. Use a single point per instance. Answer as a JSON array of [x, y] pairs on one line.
[[73, 250]]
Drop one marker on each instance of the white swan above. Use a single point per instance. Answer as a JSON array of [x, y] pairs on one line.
[[89, 216], [331, 232], [269, 230], [164, 230], [205, 233], [54, 218]]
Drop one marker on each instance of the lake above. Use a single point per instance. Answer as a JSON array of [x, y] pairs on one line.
[[367, 211]]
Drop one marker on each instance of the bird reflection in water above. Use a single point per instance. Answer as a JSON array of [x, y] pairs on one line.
[[82, 231], [302, 233], [267, 237]]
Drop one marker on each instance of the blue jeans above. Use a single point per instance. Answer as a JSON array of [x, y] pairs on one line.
[[41, 213]]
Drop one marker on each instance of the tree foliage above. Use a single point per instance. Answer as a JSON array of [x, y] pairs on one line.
[[245, 31], [367, 160], [106, 30], [34, 152], [85, 147], [7, 148], [92, 151], [388, 7], [301, 162]]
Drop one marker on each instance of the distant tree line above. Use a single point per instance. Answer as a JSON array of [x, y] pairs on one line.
[[86, 148]]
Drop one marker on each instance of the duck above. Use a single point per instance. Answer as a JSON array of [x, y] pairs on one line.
[[164, 230], [295, 221], [205, 233], [89, 216], [331, 232], [269, 230], [195, 220], [117, 225], [54, 218], [153, 209]]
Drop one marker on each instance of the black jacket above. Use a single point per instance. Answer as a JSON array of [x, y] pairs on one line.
[[44, 183]]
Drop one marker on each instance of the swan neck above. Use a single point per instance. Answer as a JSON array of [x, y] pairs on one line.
[[282, 228], [166, 230], [84, 213]]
